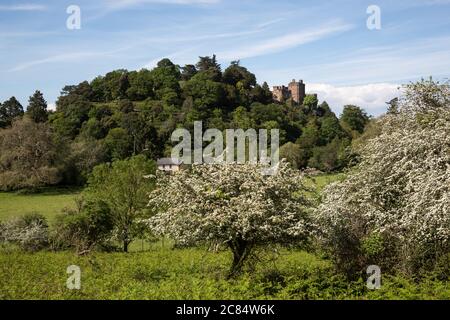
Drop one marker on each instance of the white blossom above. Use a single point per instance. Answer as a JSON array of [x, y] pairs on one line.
[[402, 186]]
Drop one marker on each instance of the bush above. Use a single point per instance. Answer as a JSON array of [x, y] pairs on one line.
[[83, 229], [392, 210], [29, 232]]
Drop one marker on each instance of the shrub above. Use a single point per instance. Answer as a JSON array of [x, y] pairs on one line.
[[393, 210], [29, 232], [84, 228]]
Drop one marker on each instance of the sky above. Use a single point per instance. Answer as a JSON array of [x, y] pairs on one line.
[[327, 44]]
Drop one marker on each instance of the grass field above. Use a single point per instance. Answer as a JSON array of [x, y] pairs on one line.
[[164, 273], [156, 271], [48, 203]]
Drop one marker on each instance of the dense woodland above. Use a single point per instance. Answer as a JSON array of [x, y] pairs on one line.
[[126, 113]]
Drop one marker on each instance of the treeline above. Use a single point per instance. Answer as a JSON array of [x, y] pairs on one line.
[[125, 113]]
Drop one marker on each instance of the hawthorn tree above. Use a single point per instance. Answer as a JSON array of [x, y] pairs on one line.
[[234, 205], [394, 209]]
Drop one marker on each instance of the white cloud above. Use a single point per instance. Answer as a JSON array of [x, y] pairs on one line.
[[285, 42], [400, 63], [66, 57], [371, 97], [51, 106], [23, 7]]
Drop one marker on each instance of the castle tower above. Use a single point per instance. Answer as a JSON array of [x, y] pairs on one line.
[[297, 91], [280, 93]]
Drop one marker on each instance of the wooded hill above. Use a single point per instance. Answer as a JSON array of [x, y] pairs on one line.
[[125, 113]]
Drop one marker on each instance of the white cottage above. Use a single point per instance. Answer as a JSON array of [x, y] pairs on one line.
[[169, 164]]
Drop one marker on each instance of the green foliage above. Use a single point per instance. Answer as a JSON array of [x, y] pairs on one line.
[[10, 110], [29, 157], [354, 119], [310, 103], [125, 113], [209, 68], [37, 107], [83, 229], [72, 110], [373, 245], [188, 71], [163, 273], [118, 144], [292, 153], [122, 186], [330, 157]]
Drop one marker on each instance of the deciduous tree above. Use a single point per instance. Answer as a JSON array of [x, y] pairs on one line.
[[233, 205]]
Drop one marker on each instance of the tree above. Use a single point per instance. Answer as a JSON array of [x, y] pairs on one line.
[[331, 156], [210, 68], [123, 187], [233, 205], [241, 119], [141, 85], [89, 225], [262, 94], [119, 144], [207, 95], [188, 71], [292, 153], [116, 84], [72, 110], [9, 110], [29, 156], [37, 107], [398, 196], [166, 77], [124, 85], [330, 129], [84, 155], [236, 73], [354, 118], [310, 102]]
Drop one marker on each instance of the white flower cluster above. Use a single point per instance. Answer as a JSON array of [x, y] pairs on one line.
[[402, 186], [30, 237], [225, 202]]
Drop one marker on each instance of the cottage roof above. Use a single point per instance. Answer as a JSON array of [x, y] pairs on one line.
[[168, 161]]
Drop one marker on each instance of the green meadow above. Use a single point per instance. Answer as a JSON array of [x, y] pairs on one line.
[[158, 271], [165, 273], [49, 202]]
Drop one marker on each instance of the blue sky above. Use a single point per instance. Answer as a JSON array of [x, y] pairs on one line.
[[325, 43]]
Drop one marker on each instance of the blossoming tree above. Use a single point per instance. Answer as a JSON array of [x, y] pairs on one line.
[[235, 205], [400, 192]]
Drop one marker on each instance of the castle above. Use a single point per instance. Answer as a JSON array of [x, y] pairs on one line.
[[294, 90]]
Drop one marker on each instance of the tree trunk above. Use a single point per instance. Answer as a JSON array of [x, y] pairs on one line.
[[125, 245], [241, 251]]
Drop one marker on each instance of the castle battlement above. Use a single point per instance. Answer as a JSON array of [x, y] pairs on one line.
[[294, 90]]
